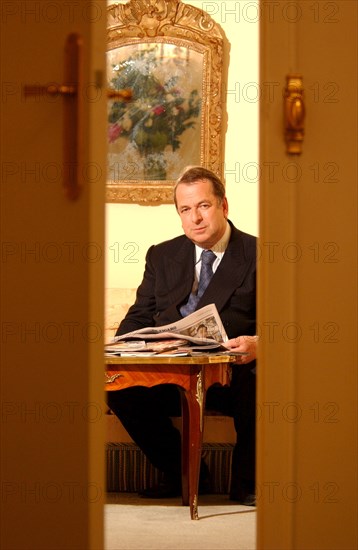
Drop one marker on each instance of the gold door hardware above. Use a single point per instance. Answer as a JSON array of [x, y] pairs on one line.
[[56, 89], [72, 93], [72, 115], [124, 95], [294, 114], [50, 89]]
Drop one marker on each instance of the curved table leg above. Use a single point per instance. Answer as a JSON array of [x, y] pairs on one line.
[[192, 437]]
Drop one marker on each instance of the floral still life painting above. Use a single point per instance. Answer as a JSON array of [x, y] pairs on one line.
[[155, 134]]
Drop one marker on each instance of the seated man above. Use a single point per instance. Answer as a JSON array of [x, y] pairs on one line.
[[177, 280]]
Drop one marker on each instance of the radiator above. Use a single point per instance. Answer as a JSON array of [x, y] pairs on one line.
[[128, 470]]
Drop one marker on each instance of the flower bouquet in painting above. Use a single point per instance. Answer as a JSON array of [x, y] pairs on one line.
[[155, 134]]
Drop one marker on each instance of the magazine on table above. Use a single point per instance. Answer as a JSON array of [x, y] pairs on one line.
[[200, 332]]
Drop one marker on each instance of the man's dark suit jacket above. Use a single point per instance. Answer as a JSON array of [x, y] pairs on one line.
[[168, 280]]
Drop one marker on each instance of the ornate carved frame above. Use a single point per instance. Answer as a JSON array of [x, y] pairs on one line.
[[163, 21]]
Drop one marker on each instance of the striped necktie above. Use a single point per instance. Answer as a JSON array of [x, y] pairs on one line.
[[206, 272]]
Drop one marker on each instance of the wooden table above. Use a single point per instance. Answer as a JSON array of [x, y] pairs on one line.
[[194, 375]]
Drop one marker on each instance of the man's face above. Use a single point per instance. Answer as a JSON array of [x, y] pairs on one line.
[[202, 215]]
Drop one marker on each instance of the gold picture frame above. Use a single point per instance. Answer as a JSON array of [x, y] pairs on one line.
[[169, 56]]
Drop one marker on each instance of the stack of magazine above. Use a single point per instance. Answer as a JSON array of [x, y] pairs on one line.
[[200, 333]]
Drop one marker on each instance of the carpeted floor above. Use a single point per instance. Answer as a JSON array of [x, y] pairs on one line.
[[134, 523]]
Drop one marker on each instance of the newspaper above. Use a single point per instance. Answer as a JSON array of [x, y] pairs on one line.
[[200, 331]]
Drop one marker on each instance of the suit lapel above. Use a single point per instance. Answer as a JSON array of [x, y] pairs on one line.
[[229, 275], [180, 272]]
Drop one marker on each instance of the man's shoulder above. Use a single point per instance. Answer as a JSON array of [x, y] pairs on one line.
[[242, 245], [246, 238]]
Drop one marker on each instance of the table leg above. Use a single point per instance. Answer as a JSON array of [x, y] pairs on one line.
[[192, 440]]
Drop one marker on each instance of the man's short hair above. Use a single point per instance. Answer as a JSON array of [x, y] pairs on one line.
[[194, 174]]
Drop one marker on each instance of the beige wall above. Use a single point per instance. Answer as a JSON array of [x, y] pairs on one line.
[[131, 229]]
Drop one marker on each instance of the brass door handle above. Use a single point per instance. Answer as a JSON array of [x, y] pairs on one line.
[[72, 118], [60, 89], [49, 89], [123, 95], [294, 114], [72, 93]]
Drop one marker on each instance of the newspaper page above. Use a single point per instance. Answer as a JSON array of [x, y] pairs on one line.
[[203, 330], [204, 326]]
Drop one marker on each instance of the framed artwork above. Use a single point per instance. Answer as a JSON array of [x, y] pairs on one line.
[[168, 56]]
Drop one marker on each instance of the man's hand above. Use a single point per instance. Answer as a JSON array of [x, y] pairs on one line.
[[245, 344]]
